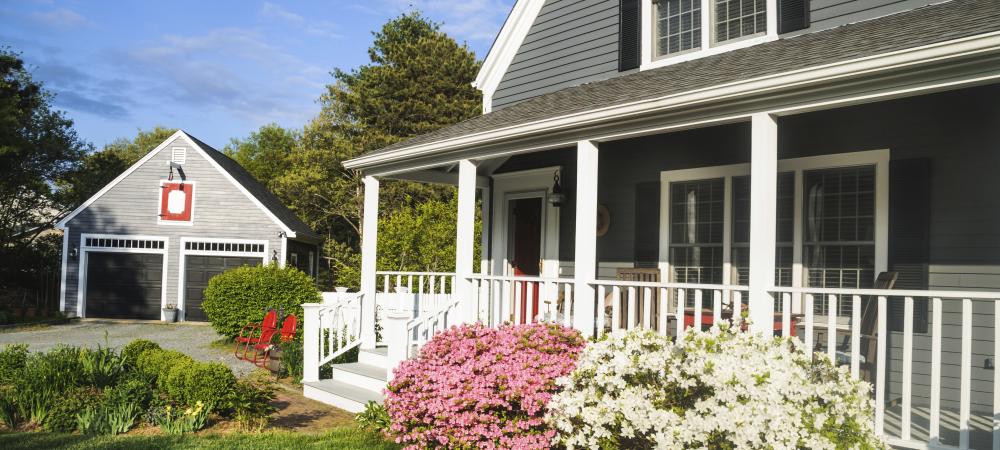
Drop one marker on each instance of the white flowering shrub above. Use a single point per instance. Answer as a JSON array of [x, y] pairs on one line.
[[718, 389]]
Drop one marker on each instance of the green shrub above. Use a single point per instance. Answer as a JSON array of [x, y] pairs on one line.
[[58, 370], [12, 360], [130, 353], [251, 404], [131, 388], [188, 383], [374, 417], [100, 367], [62, 417], [241, 295], [173, 381], [156, 362], [9, 414]]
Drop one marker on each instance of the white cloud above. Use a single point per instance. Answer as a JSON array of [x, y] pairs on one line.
[[62, 18], [322, 28], [237, 71]]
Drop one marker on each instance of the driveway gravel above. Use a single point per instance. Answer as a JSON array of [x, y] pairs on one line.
[[190, 338]]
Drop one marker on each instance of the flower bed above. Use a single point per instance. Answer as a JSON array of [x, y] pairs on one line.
[[715, 389], [103, 391], [474, 386]]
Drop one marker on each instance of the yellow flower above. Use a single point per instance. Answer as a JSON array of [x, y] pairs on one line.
[[187, 411]]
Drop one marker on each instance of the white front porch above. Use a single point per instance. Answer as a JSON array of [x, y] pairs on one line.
[[929, 352]]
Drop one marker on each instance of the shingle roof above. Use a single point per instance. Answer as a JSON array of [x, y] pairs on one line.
[[256, 189], [922, 26]]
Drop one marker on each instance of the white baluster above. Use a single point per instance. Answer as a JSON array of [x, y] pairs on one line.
[[697, 309], [600, 309], [935, 425], [808, 338], [518, 288], [964, 395], [680, 312], [647, 306], [616, 307], [786, 315], [880, 378], [630, 314], [831, 328], [716, 307], [568, 305], [907, 368], [855, 335], [664, 310]]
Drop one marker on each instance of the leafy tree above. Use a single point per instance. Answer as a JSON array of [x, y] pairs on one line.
[[419, 80], [265, 153], [101, 167], [38, 150]]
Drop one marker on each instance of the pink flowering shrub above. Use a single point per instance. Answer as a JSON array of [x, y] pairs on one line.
[[474, 386]]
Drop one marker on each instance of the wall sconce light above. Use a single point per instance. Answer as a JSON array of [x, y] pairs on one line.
[[274, 256], [282, 234], [557, 197], [74, 252]]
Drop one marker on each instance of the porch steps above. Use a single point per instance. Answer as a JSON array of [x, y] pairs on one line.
[[352, 385]]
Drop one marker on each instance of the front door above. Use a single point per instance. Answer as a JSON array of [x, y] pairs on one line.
[[525, 250]]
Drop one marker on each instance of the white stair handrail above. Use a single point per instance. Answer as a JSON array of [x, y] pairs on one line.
[[330, 329]]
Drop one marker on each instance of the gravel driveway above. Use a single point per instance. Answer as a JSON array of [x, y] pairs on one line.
[[193, 339]]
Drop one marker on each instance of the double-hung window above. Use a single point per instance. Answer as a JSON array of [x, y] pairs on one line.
[[825, 225], [680, 26]]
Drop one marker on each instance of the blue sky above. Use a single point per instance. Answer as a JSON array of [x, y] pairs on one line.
[[218, 69]]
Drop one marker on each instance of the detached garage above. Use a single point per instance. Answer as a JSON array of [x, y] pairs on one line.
[[159, 232]]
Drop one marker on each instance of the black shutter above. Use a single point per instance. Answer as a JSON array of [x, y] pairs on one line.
[[792, 15], [647, 224], [909, 236], [629, 35]]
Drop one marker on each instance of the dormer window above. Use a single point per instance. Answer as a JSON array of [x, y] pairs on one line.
[[678, 26], [696, 28]]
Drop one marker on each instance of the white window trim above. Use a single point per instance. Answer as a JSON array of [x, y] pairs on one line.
[[159, 203], [81, 283], [184, 253], [533, 183], [708, 45], [877, 158]]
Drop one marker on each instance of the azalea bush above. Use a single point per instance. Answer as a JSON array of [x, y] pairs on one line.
[[473, 386], [714, 389]]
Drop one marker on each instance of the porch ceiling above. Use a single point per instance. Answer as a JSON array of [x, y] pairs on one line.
[[706, 89]]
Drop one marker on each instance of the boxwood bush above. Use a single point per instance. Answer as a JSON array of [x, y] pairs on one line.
[[157, 363], [131, 351], [241, 295]]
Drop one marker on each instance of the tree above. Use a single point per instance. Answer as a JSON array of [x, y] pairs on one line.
[[38, 150], [100, 168], [419, 80], [265, 153]]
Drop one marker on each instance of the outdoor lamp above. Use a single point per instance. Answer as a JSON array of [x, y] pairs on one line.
[[557, 197], [74, 252]]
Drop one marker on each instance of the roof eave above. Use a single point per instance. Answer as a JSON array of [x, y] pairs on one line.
[[987, 42]]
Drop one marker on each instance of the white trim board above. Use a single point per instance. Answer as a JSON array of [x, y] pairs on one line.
[[203, 153], [184, 253], [877, 158], [65, 268], [508, 41], [81, 283], [525, 184], [691, 101]]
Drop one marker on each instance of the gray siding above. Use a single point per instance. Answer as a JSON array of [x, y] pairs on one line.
[[571, 42], [959, 132], [220, 211], [827, 14]]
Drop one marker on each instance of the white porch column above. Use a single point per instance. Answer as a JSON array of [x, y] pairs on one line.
[[585, 266], [464, 247], [763, 211], [369, 248]]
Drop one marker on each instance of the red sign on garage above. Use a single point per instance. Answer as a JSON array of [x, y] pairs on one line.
[[175, 202]]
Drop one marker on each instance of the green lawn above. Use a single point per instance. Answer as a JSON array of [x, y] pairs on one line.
[[348, 437]]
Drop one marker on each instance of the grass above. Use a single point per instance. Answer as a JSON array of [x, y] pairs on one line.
[[347, 437]]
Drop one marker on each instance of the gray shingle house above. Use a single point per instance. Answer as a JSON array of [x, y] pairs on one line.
[[156, 234], [828, 166]]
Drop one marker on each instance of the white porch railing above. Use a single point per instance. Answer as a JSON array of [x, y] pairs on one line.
[[924, 381], [330, 329], [424, 282], [519, 299], [662, 306]]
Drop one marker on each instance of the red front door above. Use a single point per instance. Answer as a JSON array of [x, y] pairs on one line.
[[526, 249]]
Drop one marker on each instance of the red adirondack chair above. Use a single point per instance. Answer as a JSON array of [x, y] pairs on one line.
[[253, 334], [263, 350]]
